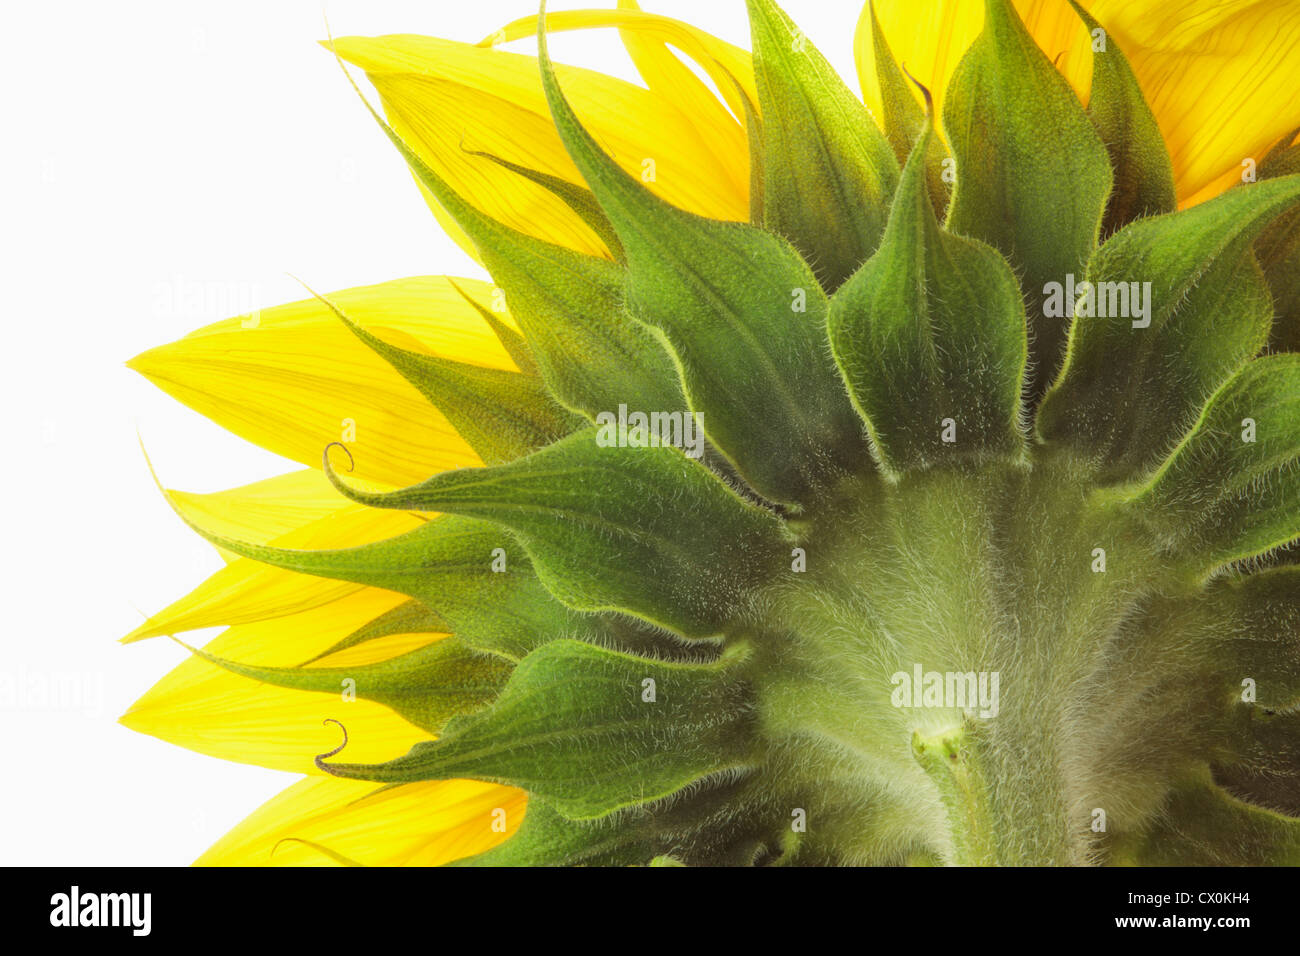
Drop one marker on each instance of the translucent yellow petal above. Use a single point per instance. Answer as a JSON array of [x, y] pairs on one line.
[[648, 38], [421, 824], [722, 61], [246, 591], [1222, 79], [447, 99], [293, 378], [444, 122], [1220, 75], [264, 509], [202, 707], [1227, 180], [927, 37], [269, 726], [377, 649]]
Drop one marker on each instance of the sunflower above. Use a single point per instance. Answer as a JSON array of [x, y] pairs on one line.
[[816, 482]]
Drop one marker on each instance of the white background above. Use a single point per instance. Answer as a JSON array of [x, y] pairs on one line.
[[166, 165]]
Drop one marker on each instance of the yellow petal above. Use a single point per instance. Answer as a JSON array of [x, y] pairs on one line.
[[648, 38], [245, 590], [293, 378], [929, 38], [447, 99], [202, 707], [264, 509], [414, 824], [1219, 75]]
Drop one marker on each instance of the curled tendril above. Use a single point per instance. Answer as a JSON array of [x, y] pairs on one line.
[[321, 758], [326, 455]]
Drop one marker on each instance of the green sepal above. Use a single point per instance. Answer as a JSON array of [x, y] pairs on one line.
[[1032, 174], [592, 356], [715, 823], [501, 414], [1279, 792], [1262, 762], [1263, 617], [947, 313], [409, 617], [757, 158], [516, 345], [830, 173], [904, 121], [1245, 627], [1278, 251], [617, 528], [548, 838], [577, 198], [1202, 825], [426, 687], [1143, 172], [447, 563], [574, 727], [1131, 385], [745, 319], [1220, 497], [1262, 739]]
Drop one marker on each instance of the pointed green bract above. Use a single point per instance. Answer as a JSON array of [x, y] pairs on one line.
[[427, 686], [1232, 488], [1144, 175], [745, 319], [1260, 615], [409, 617], [1264, 739], [1279, 792], [1264, 765], [569, 305], [577, 198], [500, 414], [447, 564], [590, 731], [594, 517], [948, 313], [757, 171], [721, 657], [1177, 306], [830, 172], [548, 838], [722, 823], [904, 121], [1032, 174], [516, 345], [1235, 628], [1201, 825], [1278, 251]]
